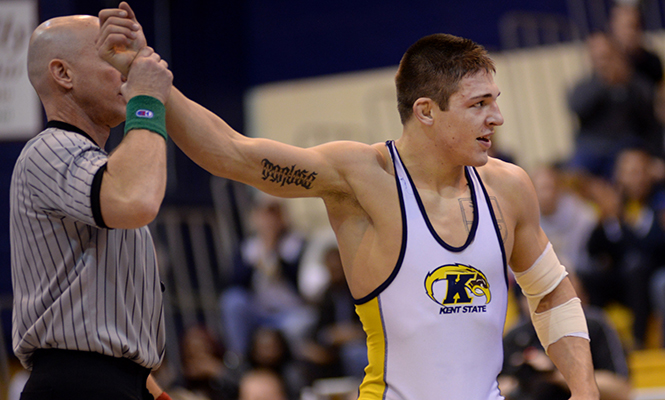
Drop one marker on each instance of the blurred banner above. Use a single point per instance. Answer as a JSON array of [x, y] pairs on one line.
[[20, 109]]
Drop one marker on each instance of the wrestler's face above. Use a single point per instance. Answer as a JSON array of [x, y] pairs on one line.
[[465, 128]]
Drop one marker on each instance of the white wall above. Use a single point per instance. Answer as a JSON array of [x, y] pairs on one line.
[[20, 109]]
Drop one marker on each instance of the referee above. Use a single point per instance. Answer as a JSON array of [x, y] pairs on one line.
[[88, 317]]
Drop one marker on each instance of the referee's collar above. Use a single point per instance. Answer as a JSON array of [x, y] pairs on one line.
[[67, 127]]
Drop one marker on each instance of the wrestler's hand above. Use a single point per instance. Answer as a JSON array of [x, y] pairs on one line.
[[120, 37], [148, 76]]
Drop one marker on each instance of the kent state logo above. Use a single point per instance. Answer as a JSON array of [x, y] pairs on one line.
[[460, 285]]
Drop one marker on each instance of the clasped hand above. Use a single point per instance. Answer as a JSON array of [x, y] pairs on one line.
[[122, 44]]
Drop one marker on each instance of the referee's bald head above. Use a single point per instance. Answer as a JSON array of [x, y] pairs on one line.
[[61, 38]]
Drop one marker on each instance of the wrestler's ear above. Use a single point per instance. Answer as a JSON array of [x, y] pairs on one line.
[[422, 110], [60, 73]]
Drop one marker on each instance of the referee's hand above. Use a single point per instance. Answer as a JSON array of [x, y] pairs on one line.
[[148, 76]]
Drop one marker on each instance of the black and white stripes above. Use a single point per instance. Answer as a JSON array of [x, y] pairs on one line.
[[77, 285]]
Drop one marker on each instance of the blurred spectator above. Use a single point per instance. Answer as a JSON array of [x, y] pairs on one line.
[[567, 219], [263, 290], [615, 109], [529, 374], [627, 30], [314, 278], [261, 384], [203, 369], [269, 350], [628, 243], [338, 347]]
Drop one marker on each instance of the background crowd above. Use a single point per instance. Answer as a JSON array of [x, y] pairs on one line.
[[603, 210]]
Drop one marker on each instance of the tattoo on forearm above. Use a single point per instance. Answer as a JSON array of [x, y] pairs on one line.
[[466, 205], [287, 175]]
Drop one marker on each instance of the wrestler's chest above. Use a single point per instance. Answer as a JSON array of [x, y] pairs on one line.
[[453, 219]]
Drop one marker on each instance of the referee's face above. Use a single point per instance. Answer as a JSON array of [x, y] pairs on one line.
[[97, 84]]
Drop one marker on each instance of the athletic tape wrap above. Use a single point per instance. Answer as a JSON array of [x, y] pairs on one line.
[[537, 282], [145, 112], [566, 319]]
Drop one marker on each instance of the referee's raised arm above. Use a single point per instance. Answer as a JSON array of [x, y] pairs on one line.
[[129, 199]]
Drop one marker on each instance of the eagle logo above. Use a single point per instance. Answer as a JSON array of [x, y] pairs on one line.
[[463, 282]]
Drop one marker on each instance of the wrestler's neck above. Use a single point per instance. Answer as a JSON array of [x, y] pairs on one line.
[[428, 164]]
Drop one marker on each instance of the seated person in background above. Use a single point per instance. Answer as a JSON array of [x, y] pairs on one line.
[[627, 30], [615, 109], [313, 275], [263, 290], [261, 384], [528, 374], [203, 369], [628, 244], [566, 218], [338, 347], [269, 350]]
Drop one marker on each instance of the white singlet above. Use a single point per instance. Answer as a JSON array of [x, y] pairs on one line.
[[434, 328]]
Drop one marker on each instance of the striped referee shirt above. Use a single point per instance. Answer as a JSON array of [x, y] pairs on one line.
[[77, 284]]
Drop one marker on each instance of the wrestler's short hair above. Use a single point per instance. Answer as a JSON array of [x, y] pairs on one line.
[[433, 67]]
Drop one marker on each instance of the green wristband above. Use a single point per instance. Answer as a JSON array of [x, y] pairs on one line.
[[146, 112]]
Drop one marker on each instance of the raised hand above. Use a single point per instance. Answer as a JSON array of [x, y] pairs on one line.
[[120, 37], [148, 76]]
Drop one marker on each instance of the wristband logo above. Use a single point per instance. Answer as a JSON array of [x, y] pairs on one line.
[[144, 114], [462, 284]]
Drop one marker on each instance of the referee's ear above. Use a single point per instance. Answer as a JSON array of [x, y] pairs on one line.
[[61, 73]]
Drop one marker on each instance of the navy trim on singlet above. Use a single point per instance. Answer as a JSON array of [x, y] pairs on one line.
[[497, 230], [402, 250], [474, 224], [421, 206]]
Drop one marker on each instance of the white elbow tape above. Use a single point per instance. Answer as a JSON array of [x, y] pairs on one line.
[[566, 319], [541, 278], [537, 282]]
